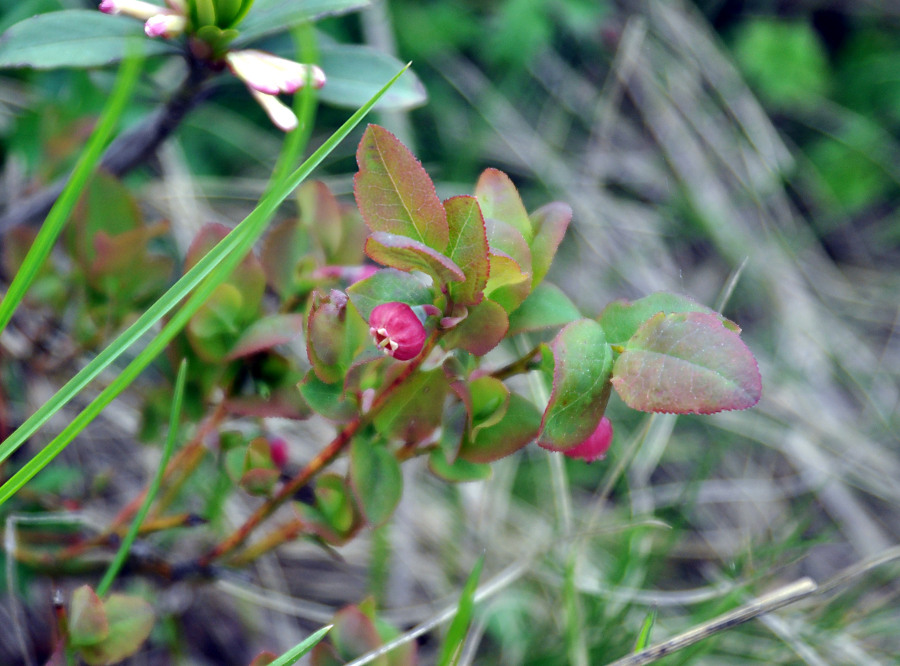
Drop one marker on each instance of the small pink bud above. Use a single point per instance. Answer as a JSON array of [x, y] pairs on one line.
[[133, 8], [596, 445], [397, 330], [165, 25], [278, 450]]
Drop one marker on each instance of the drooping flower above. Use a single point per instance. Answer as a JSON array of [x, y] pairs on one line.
[[596, 445], [397, 330]]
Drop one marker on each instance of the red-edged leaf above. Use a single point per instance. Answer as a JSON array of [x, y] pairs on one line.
[[354, 633], [508, 240], [500, 201], [265, 333], [687, 363], [415, 408], [320, 213], [408, 254], [582, 362], [621, 319], [481, 331], [87, 619], [550, 223], [468, 247], [518, 426], [283, 250], [393, 192], [130, 621]]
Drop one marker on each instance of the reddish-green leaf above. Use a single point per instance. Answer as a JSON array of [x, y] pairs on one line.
[[550, 223], [686, 363], [621, 319], [329, 400], [393, 192], [459, 471], [130, 621], [354, 633], [213, 330], [408, 254], [582, 363], [546, 307], [265, 333], [482, 330], [415, 408], [468, 248], [87, 619], [264, 658], [388, 285], [376, 479], [518, 426], [500, 201], [283, 250], [335, 505], [320, 213]]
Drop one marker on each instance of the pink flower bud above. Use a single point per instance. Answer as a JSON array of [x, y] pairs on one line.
[[270, 74], [133, 8], [279, 113], [397, 330], [165, 25], [278, 450], [596, 445]]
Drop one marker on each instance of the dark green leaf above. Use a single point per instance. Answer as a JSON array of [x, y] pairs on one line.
[[582, 363], [376, 479], [74, 38], [687, 363], [268, 17], [518, 426], [459, 471], [328, 399], [388, 285], [393, 192], [355, 72]]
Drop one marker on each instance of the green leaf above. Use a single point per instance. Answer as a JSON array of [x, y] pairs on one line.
[[355, 72], [216, 326], [687, 363], [518, 426], [335, 504], [354, 633], [643, 639], [482, 330], [407, 254], [459, 471], [268, 17], [326, 336], [386, 286], [500, 201], [582, 363], [550, 223], [621, 319], [489, 399], [415, 407], [546, 307], [393, 192], [130, 621], [87, 619], [376, 479], [266, 333], [468, 246], [455, 640], [74, 38], [328, 400]]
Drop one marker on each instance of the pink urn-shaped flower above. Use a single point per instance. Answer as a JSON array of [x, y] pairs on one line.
[[596, 445], [397, 330]]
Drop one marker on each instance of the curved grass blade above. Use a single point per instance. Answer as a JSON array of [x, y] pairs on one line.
[[125, 546], [452, 648], [643, 639], [84, 167], [222, 259], [292, 655]]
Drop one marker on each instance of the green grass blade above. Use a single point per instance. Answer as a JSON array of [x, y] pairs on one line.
[[643, 639], [451, 650], [226, 255], [62, 209], [125, 546], [301, 649]]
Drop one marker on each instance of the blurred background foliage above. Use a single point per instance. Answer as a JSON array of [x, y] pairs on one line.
[[744, 153]]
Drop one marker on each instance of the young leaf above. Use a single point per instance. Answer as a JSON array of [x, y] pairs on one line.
[[74, 38], [385, 286], [376, 479], [518, 426], [500, 200], [550, 223], [407, 254], [687, 363], [451, 650], [582, 362], [459, 471], [130, 621], [393, 192], [621, 319], [468, 246], [546, 307], [482, 330], [87, 619]]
